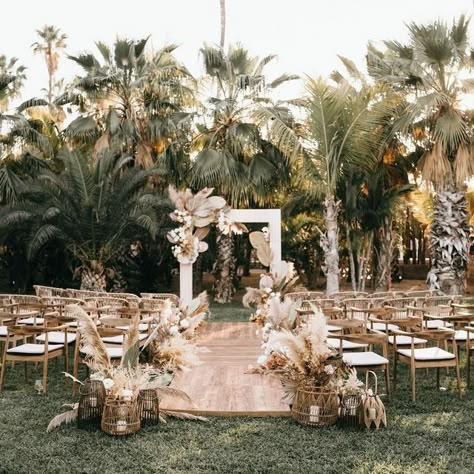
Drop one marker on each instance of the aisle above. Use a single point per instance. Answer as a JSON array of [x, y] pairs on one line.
[[220, 386]]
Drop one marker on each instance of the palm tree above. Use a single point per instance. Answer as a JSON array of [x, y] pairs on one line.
[[12, 77], [93, 211], [52, 41], [346, 135], [428, 70], [136, 103], [247, 144]]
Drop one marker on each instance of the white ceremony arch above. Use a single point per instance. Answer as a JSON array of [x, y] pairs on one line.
[[271, 217]]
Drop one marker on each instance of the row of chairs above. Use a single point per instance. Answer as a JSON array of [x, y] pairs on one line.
[[51, 291], [407, 325], [39, 328]]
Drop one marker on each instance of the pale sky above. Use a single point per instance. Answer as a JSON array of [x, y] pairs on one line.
[[306, 35]]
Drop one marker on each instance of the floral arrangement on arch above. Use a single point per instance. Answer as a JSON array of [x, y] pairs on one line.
[[195, 213]]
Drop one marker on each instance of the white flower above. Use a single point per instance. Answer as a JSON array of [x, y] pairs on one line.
[[329, 369], [268, 290], [167, 313], [108, 383], [184, 323], [261, 360], [174, 331]]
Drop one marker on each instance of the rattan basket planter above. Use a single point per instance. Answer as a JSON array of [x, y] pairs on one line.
[[351, 411], [120, 417], [91, 404], [315, 406], [149, 406]]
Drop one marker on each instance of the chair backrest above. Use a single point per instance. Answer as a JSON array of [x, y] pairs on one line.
[[402, 306], [304, 295], [162, 296], [25, 299], [433, 301], [75, 293], [425, 293], [109, 301], [50, 291], [132, 299], [152, 304], [343, 295], [60, 300], [319, 303], [370, 337], [354, 307]]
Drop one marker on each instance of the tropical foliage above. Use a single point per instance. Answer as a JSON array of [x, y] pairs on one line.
[[364, 164]]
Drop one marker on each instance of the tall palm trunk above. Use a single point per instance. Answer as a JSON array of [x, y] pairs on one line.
[[224, 270], [449, 243], [383, 280], [93, 277], [222, 5], [330, 245]]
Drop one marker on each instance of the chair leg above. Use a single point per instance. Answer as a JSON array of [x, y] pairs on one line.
[[387, 382], [2, 374], [395, 372], [458, 377], [45, 375], [468, 367], [413, 382]]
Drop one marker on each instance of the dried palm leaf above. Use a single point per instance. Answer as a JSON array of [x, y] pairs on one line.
[[435, 166], [253, 296], [66, 417], [464, 165], [92, 345], [131, 348], [183, 416], [174, 393]]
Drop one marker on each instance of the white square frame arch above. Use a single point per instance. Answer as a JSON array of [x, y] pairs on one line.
[[271, 217]]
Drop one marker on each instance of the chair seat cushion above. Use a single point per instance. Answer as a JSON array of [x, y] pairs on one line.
[[461, 335], [3, 331], [406, 340], [346, 345], [114, 352], [32, 321], [57, 337], [427, 353], [142, 327], [334, 328], [436, 324], [362, 359], [120, 339], [33, 349], [384, 327]]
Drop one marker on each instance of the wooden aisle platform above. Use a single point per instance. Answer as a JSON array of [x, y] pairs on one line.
[[220, 386]]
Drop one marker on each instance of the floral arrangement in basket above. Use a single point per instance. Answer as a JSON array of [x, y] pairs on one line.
[[195, 213], [186, 319], [303, 357], [124, 381]]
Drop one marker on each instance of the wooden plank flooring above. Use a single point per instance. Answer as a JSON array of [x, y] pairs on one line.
[[220, 386]]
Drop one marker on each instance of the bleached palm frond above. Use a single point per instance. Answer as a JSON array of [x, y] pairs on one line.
[[131, 348], [66, 417], [194, 323], [183, 415], [92, 344]]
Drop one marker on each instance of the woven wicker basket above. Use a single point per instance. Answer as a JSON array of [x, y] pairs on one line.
[[315, 406], [149, 406], [91, 404], [351, 412], [120, 417]]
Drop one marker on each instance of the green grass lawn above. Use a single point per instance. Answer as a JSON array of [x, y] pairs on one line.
[[432, 436]]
